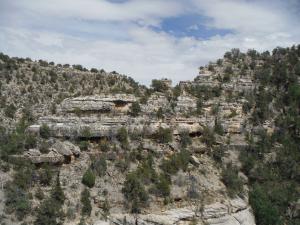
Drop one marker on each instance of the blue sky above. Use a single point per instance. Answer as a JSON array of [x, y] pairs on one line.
[[145, 39]]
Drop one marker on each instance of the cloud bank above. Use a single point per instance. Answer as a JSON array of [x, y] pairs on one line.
[[131, 36]]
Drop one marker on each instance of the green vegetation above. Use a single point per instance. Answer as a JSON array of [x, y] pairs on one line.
[[264, 210], [15, 141], [134, 192], [185, 139], [176, 162], [273, 182], [158, 85], [45, 131], [208, 136], [135, 109], [86, 203], [163, 135], [10, 110], [232, 181], [218, 128], [50, 210], [122, 136], [84, 145], [99, 166], [88, 178]]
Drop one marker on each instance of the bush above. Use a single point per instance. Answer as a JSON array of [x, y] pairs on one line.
[[45, 176], [17, 200], [218, 153], [104, 145], [134, 192], [199, 106], [218, 128], [185, 139], [263, 208], [10, 111], [50, 210], [86, 132], [30, 141], [49, 213], [160, 113], [164, 135], [158, 85], [57, 193], [86, 203], [232, 181], [122, 136], [208, 136], [135, 109], [176, 162], [162, 186], [45, 131], [53, 76], [84, 145], [88, 178], [100, 166], [94, 70]]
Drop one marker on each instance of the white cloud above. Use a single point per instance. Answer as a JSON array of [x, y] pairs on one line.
[[142, 11], [110, 36]]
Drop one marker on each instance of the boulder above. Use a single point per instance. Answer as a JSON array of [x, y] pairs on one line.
[[66, 148], [62, 149]]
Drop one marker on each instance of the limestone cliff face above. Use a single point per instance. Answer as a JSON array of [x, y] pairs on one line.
[[104, 115], [79, 128]]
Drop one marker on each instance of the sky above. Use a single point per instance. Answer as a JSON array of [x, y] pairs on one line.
[[145, 39]]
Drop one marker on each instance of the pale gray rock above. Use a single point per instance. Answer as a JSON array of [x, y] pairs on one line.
[[66, 148], [98, 103]]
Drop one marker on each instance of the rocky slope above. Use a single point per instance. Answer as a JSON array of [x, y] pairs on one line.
[[123, 153]]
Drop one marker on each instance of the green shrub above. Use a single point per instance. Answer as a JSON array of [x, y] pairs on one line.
[[208, 136], [158, 85], [88, 178], [135, 109], [49, 213], [218, 153], [86, 203], [218, 128], [10, 111], [86, 132], [134, 192], [50, 210], [99, 166], [30, 141], [199, 106], [176, 162], [17, 200], [94, 70], [160, 113], [232, 181], [57, 193], [45, 176], [162, 186], [104, 145], [45, 131], [264, 210], [122, 136], [164, 135], [185, 139], [84, 145]]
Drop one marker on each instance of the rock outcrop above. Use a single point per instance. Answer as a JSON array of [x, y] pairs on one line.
[[236, 213]]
